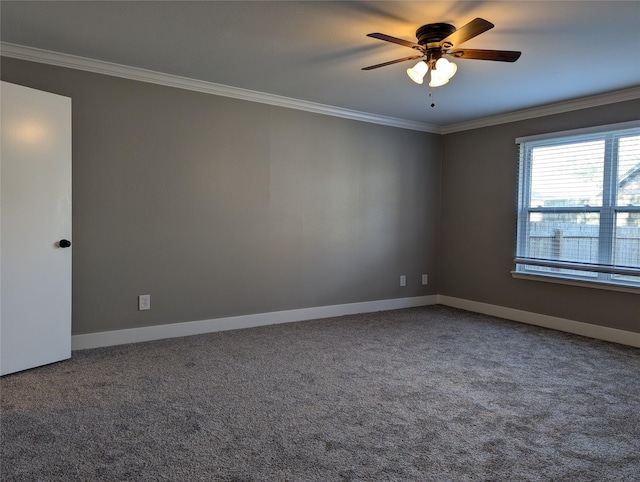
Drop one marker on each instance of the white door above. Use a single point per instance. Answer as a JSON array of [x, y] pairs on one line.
[[35, 267]]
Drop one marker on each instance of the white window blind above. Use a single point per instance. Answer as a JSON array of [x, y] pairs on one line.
[[579, 205]]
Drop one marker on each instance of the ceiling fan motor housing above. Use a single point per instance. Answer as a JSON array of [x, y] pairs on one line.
[[433, 33]]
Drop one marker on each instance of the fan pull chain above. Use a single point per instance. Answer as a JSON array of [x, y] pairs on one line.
[[433, 98]]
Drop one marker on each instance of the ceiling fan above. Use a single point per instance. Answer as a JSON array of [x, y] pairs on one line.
[[435, 40]]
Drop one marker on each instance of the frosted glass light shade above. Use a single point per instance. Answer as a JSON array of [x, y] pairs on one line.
[[436, 80], [445, 68], [417, 72]]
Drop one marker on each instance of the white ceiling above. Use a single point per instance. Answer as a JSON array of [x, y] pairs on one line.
[[314, 51]]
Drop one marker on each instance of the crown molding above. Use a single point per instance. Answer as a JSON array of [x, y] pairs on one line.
[[545, 110], [134, 73]]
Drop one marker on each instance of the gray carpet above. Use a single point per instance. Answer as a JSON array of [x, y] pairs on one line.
[[424, 394]]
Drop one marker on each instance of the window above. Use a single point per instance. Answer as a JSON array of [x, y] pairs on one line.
[[579, 205]]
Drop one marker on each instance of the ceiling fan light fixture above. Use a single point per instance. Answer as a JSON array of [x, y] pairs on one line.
[[434, 41], [418, 71]]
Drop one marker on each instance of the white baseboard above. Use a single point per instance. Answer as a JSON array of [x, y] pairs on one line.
[[174, 330], [561, 324]]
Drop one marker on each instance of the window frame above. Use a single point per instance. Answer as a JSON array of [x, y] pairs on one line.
[[604, 270]]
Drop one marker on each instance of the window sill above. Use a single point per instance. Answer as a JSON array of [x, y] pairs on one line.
[[576, 282]]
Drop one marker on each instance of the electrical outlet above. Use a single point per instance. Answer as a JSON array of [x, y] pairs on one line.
[[144, 302], [403, 280], [425, 279]]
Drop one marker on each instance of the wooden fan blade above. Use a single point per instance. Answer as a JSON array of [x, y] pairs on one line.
[[389, 38], [467, 32], [498, 55], [391, 62]]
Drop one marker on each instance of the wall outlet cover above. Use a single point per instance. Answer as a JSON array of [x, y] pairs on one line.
[[144, 302]]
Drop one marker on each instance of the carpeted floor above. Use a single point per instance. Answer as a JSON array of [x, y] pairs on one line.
[[424, 394]]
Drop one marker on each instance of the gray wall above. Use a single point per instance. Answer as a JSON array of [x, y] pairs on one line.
[[479, 204], [220, 207]]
